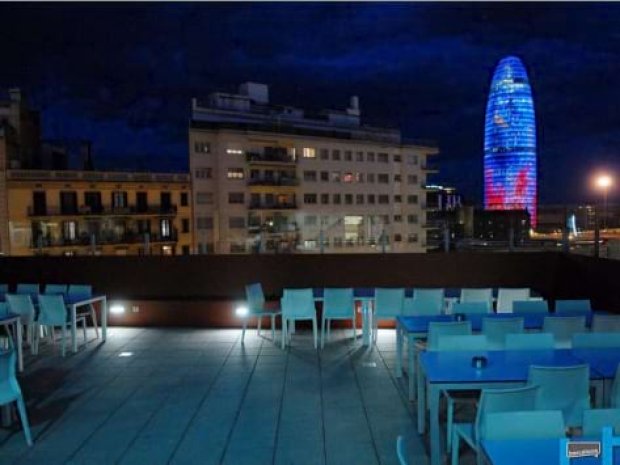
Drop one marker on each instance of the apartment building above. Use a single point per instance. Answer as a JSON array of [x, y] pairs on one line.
[[274, 179], [62, 211]]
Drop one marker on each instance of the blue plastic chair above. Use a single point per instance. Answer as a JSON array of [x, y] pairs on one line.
[[471, 308], [496, 329], [82, 292], [31, 289], [594, 340], [573, 306], [529, 341], [563, 328], [437, 329], [614, 400], [605, 323], [53, 313], [257, 309], [4, 289], [506, 296], [533, 424], [485, 295], [21, 304], [338, 304], [389, 304], [530, 306], [491, 400], [10, 391], [594, 420], [462, 343], [427, 302], [298, 304], [51, 289], [562, 388], [400, 451]]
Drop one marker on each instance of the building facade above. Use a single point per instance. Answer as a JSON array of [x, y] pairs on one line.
[[272, 179], [510, 166], [61, 211]]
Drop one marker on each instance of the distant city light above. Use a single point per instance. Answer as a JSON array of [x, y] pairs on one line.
[[242, 311], [604, 181], [117, 309]]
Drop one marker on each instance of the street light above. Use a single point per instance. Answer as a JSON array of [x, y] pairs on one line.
[[604, 182]]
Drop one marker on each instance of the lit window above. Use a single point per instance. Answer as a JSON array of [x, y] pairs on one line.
[[348, 177], [235, 173], [310, 244], [309, 152], [234, 151]]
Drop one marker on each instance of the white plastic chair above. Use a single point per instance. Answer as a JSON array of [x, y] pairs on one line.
[[83, 291], [506, 296], [477, 295], [10, 391], [338, 304], [53, 312], [21, 304], [298, 304]]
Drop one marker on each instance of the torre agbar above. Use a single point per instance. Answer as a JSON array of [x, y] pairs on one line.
[[510, 141]]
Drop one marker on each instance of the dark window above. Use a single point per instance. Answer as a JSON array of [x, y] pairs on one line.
[[142, 204], [184, 198], [93, 201], [68, 203], [185, 225], [310, 198], [39, 203], [236, 197], [119, 199], [348, 199], [165, 201], [324, 198], [185, 250]]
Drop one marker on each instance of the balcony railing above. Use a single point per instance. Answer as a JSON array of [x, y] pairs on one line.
[[255, 157], [85, 210], [273, 182], [103, 239], [285, 228], [273, 205]]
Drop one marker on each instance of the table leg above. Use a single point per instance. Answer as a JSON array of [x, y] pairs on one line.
[[411, 358], [366, 324], [104, 318], [18, 345], [399, 351], [421, 404], [599, 393], [435, 439], [74, 328]]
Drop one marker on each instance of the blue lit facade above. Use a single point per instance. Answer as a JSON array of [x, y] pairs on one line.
[[510, 141]]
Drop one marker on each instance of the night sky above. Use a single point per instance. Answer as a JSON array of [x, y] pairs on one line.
[[123, 75]]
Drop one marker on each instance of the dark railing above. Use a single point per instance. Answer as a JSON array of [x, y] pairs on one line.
[[102, 239], [273, 182], [275, 229], [86, 210], [255, 157], [273, 206]]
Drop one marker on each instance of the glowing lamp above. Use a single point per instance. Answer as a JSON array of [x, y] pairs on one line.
[[117, 309], [604, 181], [242, 311]]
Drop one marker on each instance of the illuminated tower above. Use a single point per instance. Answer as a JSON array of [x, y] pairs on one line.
[[510, 141]]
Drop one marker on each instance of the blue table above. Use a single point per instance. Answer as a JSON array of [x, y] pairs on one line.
[[441, 371], [533, 452], [605, 362]]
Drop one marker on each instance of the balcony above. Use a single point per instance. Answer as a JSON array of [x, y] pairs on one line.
[[270, 158], [88, 211], [274, 182], [273, 205], [131, 237]]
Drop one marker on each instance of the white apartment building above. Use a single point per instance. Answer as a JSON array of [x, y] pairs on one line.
[[272, 179]]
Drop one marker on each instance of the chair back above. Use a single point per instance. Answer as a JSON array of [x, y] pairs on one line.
[[4, 309], [400, 451], [595, 420], [562, 388], [529, 341], [389, 302], [506, 296], [31, 289], [525, 424], [52, 310], [530, 306], [496, 329], [446, 328], [338, 303], [428, 301], [573, 305], [595, 341], [21, 304], [476, 342], [503, 400], [563, 328], [614, 400], [471, 308], [605, 323], [255, 297], [56, 289], [298, 304], [477, 295], [9, 387], [78, 291], [4, 289]]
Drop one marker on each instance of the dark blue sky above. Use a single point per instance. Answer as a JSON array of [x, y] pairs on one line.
[[123, 74]]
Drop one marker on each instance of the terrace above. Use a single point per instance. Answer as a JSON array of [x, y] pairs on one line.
[[174, 384]]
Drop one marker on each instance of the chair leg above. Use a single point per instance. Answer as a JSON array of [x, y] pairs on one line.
[[21, 408], [450, 422], [283, 333], [260, 321], [84, 329], [245, 325], [456, 442], [64, 338], [353, 325], [329, 329], [93, 316], [273, 328], [323, 332], [315, 332]]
